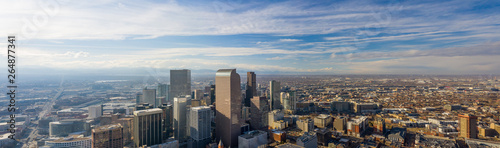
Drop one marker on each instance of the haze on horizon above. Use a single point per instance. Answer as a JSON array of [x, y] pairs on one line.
[[280, 37]]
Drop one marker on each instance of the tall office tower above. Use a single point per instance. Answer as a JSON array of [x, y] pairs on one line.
[[379, 126], [110, 136], [148, 127], [468, 125], [167, 120], [212, 94], [200, 125], [198, 94], [149, 96], [138, 98], [289, 100], [180, 121], [251, 88], [258, 110], [274, 93], [180, 83], [228, 106], [163, 92]]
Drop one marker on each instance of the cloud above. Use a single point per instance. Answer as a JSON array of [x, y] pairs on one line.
[[480, 64], [290, 40], [488, 48], [116, 20]]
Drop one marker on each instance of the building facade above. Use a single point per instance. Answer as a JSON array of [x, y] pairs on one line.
[[148, 127], [228, 106], [274, 94], [200, 125], [109, 136], [180, 83], [251, 88], [468, 125]]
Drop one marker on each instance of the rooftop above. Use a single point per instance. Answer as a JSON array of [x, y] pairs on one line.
[[252, 134], [107, 127]]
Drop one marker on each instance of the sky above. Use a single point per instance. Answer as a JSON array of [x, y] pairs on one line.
[[119, 37]]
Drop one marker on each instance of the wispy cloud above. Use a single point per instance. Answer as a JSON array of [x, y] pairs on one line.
[[290, 40]]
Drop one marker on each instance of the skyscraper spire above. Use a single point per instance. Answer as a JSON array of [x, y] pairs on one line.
[[220, 144]]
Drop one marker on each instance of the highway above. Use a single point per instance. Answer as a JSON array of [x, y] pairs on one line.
[[47, 108]]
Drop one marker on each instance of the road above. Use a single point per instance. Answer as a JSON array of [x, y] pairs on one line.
[[47, 108]]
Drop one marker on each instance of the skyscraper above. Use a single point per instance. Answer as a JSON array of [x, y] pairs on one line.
[[251, 88], [258, 109], [180, 121], [95, 111], [149, 96], [163, 92], [468, 125], [212, 94], [180, 83], [167, 120], [200, 125], [110, 136], [148, 127], [228, 106], [274, 93], [198, 94], [289, 100]]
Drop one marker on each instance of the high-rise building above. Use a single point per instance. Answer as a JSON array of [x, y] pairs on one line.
[[128, 129], [168, 113], [306, 125], [198, 94], [468, 125], [251, 88], [95, 111], [324, 136], [109, 136], [180, 115], [163, 92], [148, 127], [289, 101], [180, 83], [340, 124], [228, 106], [212, 94], [274, 94], [149, 96], [200, 125], [273, 116], [138, 98], [379, 126], [258, 112], [357, 127]]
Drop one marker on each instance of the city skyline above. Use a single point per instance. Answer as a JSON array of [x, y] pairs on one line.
[[279, 37]]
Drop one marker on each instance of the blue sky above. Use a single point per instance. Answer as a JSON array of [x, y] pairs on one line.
[[269, 37]]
